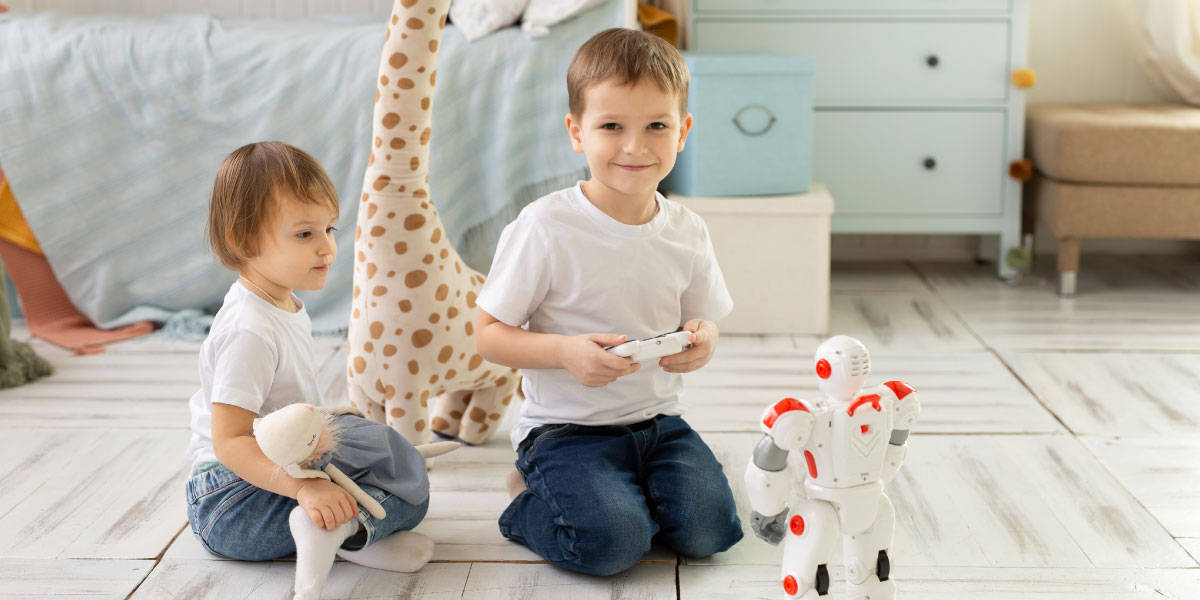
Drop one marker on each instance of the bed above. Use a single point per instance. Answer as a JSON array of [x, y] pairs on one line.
[[112, 129]]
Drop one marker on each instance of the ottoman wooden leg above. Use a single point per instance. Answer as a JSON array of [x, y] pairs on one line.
[[1068, 265]]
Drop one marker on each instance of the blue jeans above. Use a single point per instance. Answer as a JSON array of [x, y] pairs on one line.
[[238, 520], [597, 495]]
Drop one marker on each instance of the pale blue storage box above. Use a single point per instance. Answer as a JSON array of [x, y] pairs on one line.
[[752, 134]]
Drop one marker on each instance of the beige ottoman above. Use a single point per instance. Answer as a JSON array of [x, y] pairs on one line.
[[1113, 171]]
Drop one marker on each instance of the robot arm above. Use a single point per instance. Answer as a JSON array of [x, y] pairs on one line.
[[908, 407], [786, 426]]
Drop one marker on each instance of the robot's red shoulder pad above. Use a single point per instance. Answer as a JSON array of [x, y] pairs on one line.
[[900, 388], [781, 407]]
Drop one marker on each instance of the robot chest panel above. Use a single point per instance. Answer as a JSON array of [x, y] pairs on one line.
[[855, 444]]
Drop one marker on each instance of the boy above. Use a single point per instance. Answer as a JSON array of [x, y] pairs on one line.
[[605, 463]]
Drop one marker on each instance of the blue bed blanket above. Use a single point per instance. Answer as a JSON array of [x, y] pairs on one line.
[[112, 128]]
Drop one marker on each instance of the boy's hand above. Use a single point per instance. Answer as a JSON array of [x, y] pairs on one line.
[[327, 503], [585, 358], [704, 343]]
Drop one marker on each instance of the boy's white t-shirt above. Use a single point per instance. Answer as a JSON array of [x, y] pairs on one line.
[[257, 357], [565, 267]]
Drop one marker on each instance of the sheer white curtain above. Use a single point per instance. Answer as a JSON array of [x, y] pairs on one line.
[[1168, 36]]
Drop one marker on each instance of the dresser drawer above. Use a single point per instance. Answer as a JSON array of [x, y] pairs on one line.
[[889, 6], [878, 63], [911, 163]]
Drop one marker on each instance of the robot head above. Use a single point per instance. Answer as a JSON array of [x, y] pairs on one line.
[[842, 364]]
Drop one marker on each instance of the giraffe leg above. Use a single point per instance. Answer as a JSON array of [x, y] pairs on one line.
[[486, 409], [448, 412], [408, 418], [360, 400]]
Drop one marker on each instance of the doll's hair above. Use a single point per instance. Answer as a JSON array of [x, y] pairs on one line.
[[250, 184], [628, 56], [331, 436]]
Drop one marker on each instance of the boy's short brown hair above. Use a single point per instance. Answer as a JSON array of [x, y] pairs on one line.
[[629, 56], [246, 193]]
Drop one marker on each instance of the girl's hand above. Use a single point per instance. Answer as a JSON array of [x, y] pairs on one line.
[[327, 503], [704, 343], [584, 357]]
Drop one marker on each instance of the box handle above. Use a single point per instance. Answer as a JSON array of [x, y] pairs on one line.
[[738, 116]]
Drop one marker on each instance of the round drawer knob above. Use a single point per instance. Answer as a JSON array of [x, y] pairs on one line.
[[932, 60], [930, 164]]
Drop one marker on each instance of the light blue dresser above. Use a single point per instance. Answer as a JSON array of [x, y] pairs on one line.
[[917, 116]]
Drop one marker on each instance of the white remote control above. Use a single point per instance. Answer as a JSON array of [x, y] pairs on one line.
[[656, 347]]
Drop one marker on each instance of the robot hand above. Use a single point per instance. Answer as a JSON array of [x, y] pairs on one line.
[[769, 529]]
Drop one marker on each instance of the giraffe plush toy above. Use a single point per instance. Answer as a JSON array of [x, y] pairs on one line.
[[411, 330]]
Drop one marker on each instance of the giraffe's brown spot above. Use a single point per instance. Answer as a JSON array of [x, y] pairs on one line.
[[371, 268], [507, 400], [434, 318], [445, 354], [405, 83], [397, 60], [415, 278], [471, 299], [379, 290], [398, 331], [453, 312], [478, 414], [420, 426], [494, 416], [405, 306], [371, 159], [444, 253], [408, 396], [431, 10], [413, 367], [485, 375], [501, 381], [396, 144], [433, 44], [360, 364], [406, 4], [397, 96], [364, 197], [420, 194], [470, 328], [439, 424], [415, 23], [433, 380], [356, 290], [425, 136], [476, 360], [442, 291], [381, 182], [378, 230], [420, 69], [361, 257], [457, 267], [356, 313], [415, 163], [379, 386], [414, 221], [389, 350], [433, 77], [371, 209], [390, 120], [428, 259], [368, 347], [390, 392], [414, 128], [456, 414], [376, 95], [401, 247], [425, 398], [388, 156], [421, 338], [451, 373], [397, 412], [442, 23], [425, 103], [378, 143], [376, 329], [436, 235]]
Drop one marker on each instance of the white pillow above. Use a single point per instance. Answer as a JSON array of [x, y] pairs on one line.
[[541, 14], [477, 18]]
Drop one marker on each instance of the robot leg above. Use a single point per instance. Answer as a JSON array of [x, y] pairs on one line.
[[808, 547], [868, 566]]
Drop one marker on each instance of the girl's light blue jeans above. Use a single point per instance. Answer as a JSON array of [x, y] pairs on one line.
[[237, 520]]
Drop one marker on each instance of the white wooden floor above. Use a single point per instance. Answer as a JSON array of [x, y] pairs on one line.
[[1057, 457]]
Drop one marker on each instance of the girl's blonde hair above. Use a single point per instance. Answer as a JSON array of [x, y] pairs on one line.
[[246, 194]]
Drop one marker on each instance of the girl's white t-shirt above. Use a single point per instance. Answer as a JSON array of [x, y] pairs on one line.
[[565, 267], [257, 357]]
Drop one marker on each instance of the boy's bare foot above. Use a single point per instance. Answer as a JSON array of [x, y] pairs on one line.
[[515, 482]]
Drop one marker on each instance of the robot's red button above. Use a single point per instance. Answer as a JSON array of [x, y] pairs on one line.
[[865, 429], [797, 525], [789, 585], [823, 369]]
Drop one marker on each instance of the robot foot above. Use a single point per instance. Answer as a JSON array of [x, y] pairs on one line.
[[871, 589]]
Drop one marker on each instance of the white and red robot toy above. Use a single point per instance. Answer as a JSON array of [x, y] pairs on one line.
[[852, 443]]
